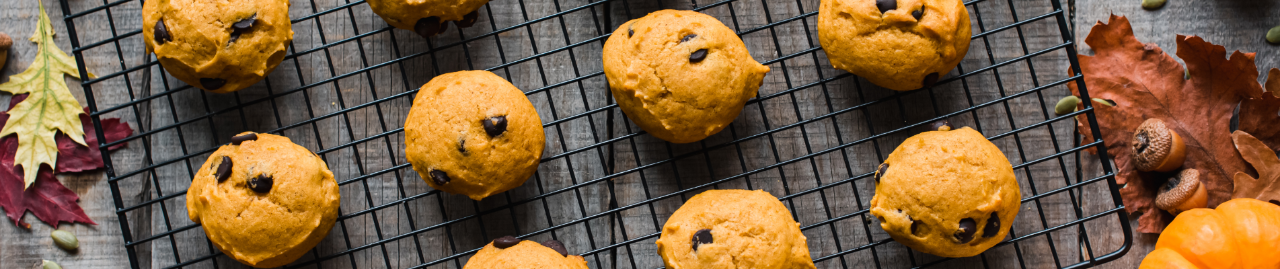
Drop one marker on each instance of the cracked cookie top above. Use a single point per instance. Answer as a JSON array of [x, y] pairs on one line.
[[897, 44], [427, 17], [680, 75], [218, 46], [950, 193], [733, 229], [473, 133], [510, 253], [263, 200]]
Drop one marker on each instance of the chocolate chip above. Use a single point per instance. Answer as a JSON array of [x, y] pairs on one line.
[[505, 242], [688, 37], [631, 31], [224, 169], [244, 24], [918, 14], [241, 27], [915, 226], [557, 246], [702, 237], [495, 126], [1274, 202], [427, 27], [439, 177], [993, 225], [698, 56], [931, 79], [468, 20], [236, 140], [884, 167], [967, 228], [886, 5], [212, 83], [161, 32], [937, 125], [462, 145], [260, 184]]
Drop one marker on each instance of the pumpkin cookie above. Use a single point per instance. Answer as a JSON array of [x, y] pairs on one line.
[[511, 253], [219, 46], [680, 75], [473, 133], [427, 17], [733, 229], [949, 193], [263, 200], [898, 44]]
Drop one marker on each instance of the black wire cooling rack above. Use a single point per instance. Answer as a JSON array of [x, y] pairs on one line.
[[812, 137]]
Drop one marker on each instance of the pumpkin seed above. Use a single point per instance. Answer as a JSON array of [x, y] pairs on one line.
[[1066, 105], [65, 240], [47, 264], [1152, 4], [1273, 36], [1104, 101]]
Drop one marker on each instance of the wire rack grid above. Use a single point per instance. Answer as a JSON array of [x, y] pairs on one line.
[[812, 136]]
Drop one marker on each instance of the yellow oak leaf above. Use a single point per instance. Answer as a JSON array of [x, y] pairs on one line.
[[49, 108]]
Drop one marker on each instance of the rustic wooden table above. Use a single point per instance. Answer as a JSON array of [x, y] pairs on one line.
[[1237, 24]]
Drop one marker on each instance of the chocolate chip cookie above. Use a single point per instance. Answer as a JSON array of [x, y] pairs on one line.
[[898, 44], [219, 46], [263, 200], [680, 75], [511, 253], [427, 17], [733, 229], [950, 193], [473, 133]]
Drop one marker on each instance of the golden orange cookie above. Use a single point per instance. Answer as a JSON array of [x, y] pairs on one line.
[[680, 75], [947, 193], [219, 46], [427, 17], [898, 44], [733, 229], [473, 133], [511, 253], [263, 200]]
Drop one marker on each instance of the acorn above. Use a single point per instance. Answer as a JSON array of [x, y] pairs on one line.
[[5, 44], [1157, 148], [1182, 192]]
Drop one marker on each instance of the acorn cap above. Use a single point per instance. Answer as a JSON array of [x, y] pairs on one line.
[[5, 42], [1182, 192], [1157, 148]]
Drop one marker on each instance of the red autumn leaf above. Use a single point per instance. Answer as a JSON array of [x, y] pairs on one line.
[[74, 157], [1146, 83], [1261, 116], [48, 199]]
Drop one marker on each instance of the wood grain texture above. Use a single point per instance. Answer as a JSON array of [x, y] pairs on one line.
[[829, 134]]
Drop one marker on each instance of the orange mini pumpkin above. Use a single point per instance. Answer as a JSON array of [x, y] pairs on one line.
[[1242, 233]]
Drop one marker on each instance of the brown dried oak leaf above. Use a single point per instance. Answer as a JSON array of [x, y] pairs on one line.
[[1146, 83], [1260, 116], [1267, 186]]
